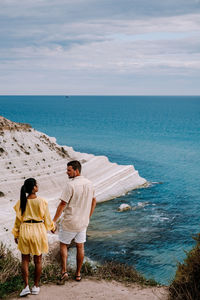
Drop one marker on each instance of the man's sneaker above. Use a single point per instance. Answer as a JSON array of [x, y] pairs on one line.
[[25, 291], [35, 290]]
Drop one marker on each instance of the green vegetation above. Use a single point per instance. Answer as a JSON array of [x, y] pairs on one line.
[[122, 273], [186, 284], [11, 280]]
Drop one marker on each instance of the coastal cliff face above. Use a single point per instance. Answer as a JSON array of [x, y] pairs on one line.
[[25, 152]]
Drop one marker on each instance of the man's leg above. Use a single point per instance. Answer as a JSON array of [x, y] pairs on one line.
[[79, 258], [64, 254]]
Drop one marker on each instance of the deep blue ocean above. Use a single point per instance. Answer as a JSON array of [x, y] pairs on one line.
[[160, 137]]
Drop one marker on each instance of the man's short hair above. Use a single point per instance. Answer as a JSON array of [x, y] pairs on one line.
[[75, 165]]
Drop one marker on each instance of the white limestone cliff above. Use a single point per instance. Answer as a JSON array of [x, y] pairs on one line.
[[25, 152]]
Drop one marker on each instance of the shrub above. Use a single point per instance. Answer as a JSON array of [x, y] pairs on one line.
[[10, 272], [87, 269], [186, 284], [122, 273]]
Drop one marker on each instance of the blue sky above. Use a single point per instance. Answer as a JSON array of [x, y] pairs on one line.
[[103, 47]]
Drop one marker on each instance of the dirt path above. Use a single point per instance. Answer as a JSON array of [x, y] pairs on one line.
[[101, 290]]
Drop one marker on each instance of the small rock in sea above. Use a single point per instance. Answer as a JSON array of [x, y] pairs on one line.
[[124, 207]]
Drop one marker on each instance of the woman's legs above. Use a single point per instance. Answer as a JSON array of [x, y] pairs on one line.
[[38, 269], [25, 263]]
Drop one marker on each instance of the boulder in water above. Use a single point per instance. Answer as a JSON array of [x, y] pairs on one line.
[[124, 207]]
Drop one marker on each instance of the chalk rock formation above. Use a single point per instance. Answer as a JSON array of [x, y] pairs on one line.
[[25, 152]]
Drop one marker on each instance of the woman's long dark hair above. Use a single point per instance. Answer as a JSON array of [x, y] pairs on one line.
[[26, 188]]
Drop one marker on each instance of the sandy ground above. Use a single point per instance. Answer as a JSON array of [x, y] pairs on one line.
[[101, 290]]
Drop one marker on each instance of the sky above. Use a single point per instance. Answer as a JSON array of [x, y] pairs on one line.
[[100, 47]]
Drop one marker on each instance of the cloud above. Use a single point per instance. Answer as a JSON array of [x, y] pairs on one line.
[[46, 43], [64, 11]]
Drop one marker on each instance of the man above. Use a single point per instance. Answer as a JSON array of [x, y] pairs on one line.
[[77, 204]]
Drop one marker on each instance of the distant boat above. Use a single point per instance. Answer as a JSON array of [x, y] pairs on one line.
[[67, 97]]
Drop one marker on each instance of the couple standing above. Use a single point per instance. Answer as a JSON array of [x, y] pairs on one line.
[[33, 219]]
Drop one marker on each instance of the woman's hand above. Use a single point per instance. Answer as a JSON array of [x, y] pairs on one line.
[[16, 240], [55, 227]]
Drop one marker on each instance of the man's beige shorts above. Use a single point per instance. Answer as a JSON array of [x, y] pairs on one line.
[[66, 237]]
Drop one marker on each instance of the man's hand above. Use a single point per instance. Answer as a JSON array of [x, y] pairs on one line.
[[93, 205], [16, 240]]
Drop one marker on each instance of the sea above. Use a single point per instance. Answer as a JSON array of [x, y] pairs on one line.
[[160, 136]]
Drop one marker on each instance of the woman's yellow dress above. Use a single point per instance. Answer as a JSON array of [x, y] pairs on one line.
[[32, 237]]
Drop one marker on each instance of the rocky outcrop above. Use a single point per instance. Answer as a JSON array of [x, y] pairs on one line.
[[6, 124]]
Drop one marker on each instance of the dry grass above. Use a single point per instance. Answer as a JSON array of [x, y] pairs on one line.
[[107, 271], [9, 265], [10, 280], [122, 273]]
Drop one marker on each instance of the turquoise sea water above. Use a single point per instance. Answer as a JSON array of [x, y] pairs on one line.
[[160, 137]]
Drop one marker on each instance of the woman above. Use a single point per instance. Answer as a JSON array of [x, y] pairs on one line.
[[31, 223]]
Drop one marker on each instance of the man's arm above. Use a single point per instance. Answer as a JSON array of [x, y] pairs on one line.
[[93, 205], [59, 210]]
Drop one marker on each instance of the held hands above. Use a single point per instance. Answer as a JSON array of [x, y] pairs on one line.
[[55, 227]]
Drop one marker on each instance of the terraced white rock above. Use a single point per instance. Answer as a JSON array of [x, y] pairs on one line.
[[25, 152]]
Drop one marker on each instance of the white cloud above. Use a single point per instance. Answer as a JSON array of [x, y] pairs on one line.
[[44, 51]]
